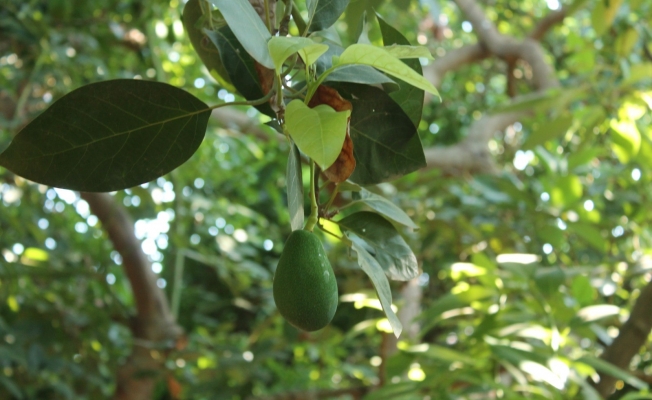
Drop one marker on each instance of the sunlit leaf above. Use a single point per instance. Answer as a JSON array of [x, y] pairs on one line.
[[375, 272], [248, 28], [318, 132], [281, 48], [408, 51], [381, 59], [109, 136], [626, 139]]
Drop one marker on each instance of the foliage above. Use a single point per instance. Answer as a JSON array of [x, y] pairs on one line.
[[526, 275]]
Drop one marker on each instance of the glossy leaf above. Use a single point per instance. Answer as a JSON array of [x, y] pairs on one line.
[[248, 28], [240, 66], [109, 136], [294, 185], [281, 48], [381, 59], [318, 132], [390, 249], [325, 13], [385, 141], [408, 97], [375, 272], [384, 207]]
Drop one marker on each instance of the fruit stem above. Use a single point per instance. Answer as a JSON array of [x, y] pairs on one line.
[[314, 209], [333, 195]]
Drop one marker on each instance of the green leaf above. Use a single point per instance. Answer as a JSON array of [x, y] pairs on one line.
[[109, 136], [381, 59], [386, 144], [590, 234], [390, 249], [375, 272], [549, 279], [248, 28], [408, 51], [294, 183], [384, 207], [608, 368], [566, 191], [11, 388], [603, 15], [240, 66], [281, 48], [626, 139], [408, 97], [326, 12], [548, 131], [318, 132], [582, 290], [351, 73]]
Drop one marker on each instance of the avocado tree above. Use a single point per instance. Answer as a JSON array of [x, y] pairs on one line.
[[342, 120]]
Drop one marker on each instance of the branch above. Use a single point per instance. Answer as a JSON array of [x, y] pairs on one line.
[[154, 327], [548, 22], [507, 47], [471, 155], [632, 336], [452, 61]]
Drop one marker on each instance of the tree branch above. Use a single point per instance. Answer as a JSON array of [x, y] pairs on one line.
[[154, 329], [632, 336]]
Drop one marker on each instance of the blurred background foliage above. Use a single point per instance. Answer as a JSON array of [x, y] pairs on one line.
[[527, 274]]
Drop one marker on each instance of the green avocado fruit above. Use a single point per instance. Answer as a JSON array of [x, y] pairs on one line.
[[305, 289], [206, 50]]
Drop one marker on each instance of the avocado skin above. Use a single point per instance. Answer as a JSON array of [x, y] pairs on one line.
[[206, 50], [305, 288]]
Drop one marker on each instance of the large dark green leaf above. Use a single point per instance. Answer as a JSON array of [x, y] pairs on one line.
[[240, 66], [248, 28], [294, 184], [326, 12], [386, 144], [375, 272], [408, 97], [383, 206], [109, 135], [389, 248]]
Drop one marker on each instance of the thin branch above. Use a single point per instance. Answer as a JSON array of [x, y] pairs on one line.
[[548, 22], [154, 324], [632, 336]]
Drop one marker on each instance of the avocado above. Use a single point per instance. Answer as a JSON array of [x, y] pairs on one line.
[[206, 50], [305, 288]]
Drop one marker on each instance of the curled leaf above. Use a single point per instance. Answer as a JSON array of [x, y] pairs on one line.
[[344, 165]]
